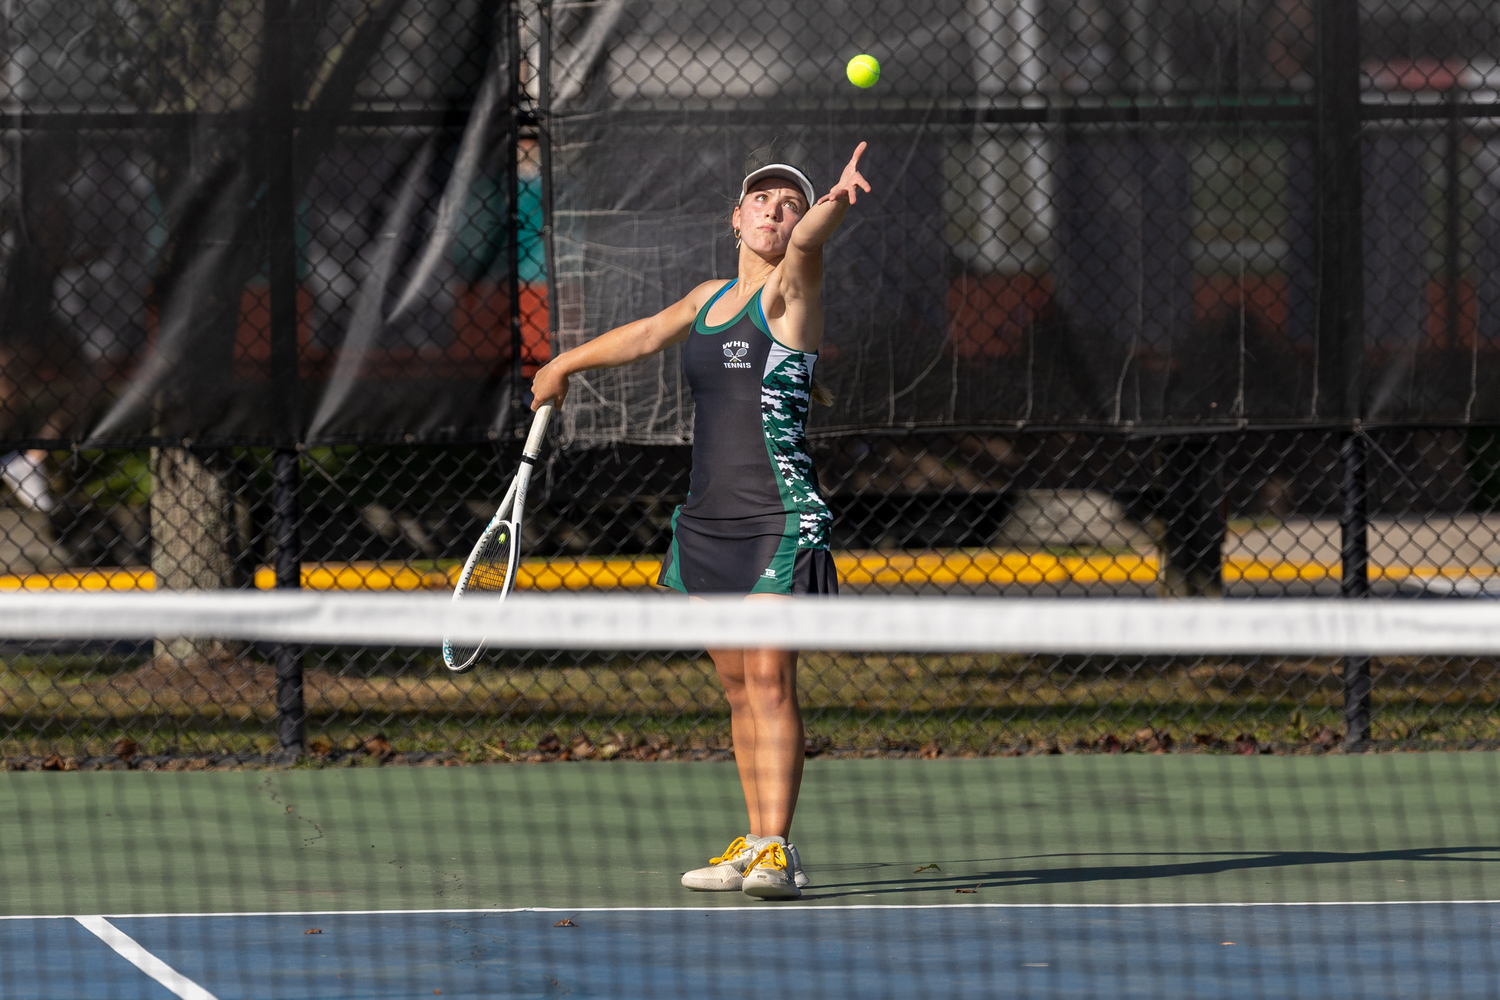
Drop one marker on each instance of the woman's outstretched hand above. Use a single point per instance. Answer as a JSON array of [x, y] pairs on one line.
[[850, 181]]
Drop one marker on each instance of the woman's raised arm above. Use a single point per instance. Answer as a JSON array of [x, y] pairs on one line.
[[621, 346], [793, 301], [824, 217]]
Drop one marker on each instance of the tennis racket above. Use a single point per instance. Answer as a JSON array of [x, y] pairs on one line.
[[490, 572]]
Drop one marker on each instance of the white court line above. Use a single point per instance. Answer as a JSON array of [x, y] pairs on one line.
[[755, 908], [129, 949]]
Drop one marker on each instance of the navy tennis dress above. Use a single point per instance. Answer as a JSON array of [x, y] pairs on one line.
[[753, 522]]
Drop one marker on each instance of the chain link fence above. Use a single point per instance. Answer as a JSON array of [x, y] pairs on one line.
[[1152, 299]]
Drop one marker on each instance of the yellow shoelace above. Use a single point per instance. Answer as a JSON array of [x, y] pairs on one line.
[[731, 852], [774, 856]]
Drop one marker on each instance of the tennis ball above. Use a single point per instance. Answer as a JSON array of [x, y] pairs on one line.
[[863, 71]]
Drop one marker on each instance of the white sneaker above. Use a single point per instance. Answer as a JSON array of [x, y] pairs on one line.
[[28, 481], [769, 874], [723, 873], [798, 875]]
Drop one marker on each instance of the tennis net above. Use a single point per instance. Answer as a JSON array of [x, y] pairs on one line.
[[337, 856]]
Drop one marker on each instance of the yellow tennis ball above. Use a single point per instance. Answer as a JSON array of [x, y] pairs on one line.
[[863, 71]]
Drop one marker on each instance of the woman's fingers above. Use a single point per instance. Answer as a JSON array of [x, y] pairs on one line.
[[850, 181], [853, 183], [853, 167]]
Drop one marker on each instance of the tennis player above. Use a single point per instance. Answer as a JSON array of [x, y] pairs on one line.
[[754, 523]]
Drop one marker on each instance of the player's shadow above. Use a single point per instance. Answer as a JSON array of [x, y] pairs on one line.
[[965, 874]]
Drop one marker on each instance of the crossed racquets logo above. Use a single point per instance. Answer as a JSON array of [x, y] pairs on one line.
[[734, 353]]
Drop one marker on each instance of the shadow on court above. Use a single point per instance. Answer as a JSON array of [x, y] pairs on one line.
[[1004, 878]]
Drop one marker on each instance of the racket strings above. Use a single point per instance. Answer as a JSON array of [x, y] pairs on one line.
[[492, 567], [487, 575]]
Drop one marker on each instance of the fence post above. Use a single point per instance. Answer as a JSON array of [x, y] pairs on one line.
[[1341, 298], [513, 196], [291, 711], [544, 146], [1355, 582], [281, 239], [1452, 221]]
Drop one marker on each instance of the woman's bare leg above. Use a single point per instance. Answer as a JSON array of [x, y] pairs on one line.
[[731, 666], [766, 725], [771, 691]]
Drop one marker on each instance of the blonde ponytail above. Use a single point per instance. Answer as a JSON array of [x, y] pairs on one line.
[[818, 393]]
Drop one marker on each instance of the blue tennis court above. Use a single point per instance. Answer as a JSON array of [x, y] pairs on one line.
[[1341, 950]]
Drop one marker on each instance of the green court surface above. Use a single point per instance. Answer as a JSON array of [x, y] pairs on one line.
[[1063, 829]]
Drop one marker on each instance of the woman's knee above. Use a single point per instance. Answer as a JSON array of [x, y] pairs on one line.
[[737, 694], [770, 681]]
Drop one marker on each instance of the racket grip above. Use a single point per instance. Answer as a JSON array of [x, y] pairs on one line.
[[538, 431]]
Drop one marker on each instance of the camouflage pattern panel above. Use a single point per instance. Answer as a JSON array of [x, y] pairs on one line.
[[784, 399]]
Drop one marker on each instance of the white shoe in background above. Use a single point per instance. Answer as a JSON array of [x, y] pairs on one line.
[[798, 875], [28, 480]]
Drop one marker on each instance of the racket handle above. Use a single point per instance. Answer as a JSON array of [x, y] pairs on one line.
[[538, 431]]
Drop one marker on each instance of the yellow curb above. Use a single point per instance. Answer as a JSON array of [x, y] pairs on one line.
[[863, 569]]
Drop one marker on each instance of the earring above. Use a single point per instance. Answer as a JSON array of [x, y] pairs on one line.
[[736, 239]]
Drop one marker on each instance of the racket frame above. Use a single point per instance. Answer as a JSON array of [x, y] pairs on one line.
[[511, 512]]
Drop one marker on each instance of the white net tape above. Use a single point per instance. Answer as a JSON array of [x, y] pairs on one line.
[[1031, 625]]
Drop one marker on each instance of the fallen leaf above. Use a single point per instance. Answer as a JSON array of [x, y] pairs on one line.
[[932, 751], [1226, 942], [964, 890], [565, 922], [924, 868], [581, 747], [125, 748], [1325, 737], [549, 743], [1245, 746], [312, 930], [378, 746], [319, 747]]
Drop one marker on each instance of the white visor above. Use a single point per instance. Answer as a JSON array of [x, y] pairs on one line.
[[785, 171]]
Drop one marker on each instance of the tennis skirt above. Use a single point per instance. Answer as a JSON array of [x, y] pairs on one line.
[[744, 555]]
